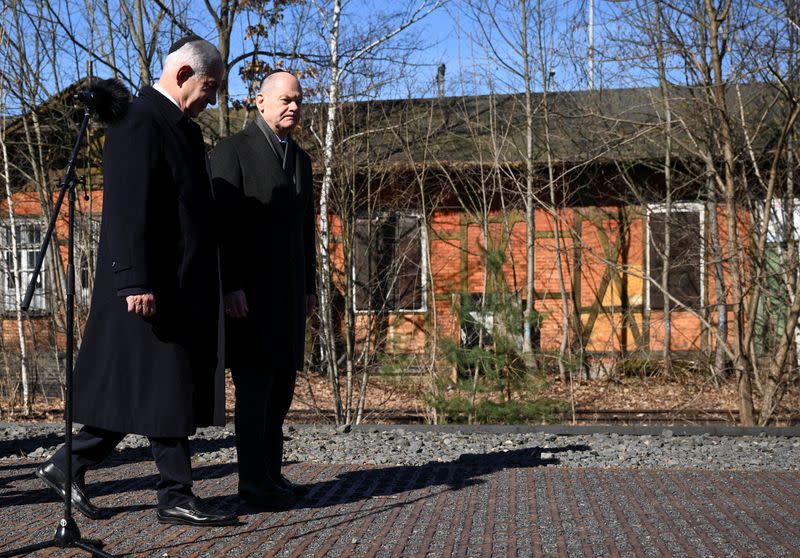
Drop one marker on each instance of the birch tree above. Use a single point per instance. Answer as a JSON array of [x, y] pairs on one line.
[[24, 89], [346, 46], [12, 229]]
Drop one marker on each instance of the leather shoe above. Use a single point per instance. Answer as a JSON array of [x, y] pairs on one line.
[[55, 480], [268, 495], [190, 514], [299, 490]]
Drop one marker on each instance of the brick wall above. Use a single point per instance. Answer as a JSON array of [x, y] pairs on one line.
[[611, 304]]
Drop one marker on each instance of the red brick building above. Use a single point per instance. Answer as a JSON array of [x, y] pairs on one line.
[[420, 202]]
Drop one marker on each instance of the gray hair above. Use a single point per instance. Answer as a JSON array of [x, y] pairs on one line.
[[200, 56]]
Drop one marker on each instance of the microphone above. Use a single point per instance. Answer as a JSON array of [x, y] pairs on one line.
[[107, 99]]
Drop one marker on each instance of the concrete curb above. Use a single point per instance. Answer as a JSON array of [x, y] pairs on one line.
[[557, 429], [567, 430]]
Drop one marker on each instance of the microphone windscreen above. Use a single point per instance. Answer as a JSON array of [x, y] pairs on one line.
[[110, 99]]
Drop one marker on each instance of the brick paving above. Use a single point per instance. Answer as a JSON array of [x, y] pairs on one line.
[[468, 508]]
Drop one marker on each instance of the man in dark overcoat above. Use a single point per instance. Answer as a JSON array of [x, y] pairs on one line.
[[149, 361], [264, 191]]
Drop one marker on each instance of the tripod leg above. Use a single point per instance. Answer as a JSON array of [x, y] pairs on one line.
[[28, 549], [97, 543], [91, 546], [93, 549]]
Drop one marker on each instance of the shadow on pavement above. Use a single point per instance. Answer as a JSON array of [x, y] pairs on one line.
[[11, 497], [385, 484], [458, 473], [388, 482], [348, 487]]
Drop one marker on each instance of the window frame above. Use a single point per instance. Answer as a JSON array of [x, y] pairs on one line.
[[83, 257], [423, 240], [8, 304], [677, 207]]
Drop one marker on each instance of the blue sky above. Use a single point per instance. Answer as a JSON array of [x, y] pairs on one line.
[[451, 36]]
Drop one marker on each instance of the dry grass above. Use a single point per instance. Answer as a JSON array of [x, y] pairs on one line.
[[397, 398]]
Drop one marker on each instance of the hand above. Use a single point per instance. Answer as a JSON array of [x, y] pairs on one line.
[[311, 304], [235, 304], [142, 304]]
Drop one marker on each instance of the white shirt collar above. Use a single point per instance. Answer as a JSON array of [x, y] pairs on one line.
[[163, 91]]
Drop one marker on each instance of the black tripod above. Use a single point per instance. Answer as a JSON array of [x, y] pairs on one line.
[[67, 534]]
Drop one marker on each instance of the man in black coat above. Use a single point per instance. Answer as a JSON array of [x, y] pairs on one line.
[[264, 191], [149, 362]]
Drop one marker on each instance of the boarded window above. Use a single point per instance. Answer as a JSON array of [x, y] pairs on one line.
[[685, 261], [388, 263]]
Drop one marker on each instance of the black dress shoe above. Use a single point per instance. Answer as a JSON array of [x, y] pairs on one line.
[[190, 514], [267, 495], [299, 490], [55, 480]]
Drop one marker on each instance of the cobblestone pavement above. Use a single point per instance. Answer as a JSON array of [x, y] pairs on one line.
[[483, 506]]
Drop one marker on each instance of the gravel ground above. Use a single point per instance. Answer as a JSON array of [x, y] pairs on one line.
[[621, 447]]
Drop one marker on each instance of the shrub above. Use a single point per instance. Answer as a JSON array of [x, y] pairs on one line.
[[460, 410]]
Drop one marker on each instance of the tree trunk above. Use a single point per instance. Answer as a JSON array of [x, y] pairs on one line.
[[720, 296], [530, 222], [15, 272], [666, 352], [327, 326], [224, 47], [714, 19]]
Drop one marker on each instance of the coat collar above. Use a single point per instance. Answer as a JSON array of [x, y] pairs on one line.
[[264, 134], [171, 112]]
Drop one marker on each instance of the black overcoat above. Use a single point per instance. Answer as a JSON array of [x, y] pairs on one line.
[[159, 376], [267, 245]]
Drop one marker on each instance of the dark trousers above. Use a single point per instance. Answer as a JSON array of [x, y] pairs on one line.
[[92, 445], [263, 397]]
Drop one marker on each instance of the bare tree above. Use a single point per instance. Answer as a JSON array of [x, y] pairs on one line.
[[520, 37], [23, 88], [704, 56], [512, 25], [341, 59], [12, 230]]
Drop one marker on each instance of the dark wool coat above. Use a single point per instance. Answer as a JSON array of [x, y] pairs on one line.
[[267, 246], [155, 376]]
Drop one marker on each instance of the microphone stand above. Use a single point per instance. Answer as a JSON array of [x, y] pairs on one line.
[[67, 534]]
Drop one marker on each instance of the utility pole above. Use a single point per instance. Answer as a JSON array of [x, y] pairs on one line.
[[591, 44]]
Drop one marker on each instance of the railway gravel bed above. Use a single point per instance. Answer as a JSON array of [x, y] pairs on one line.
[[738, 449]]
